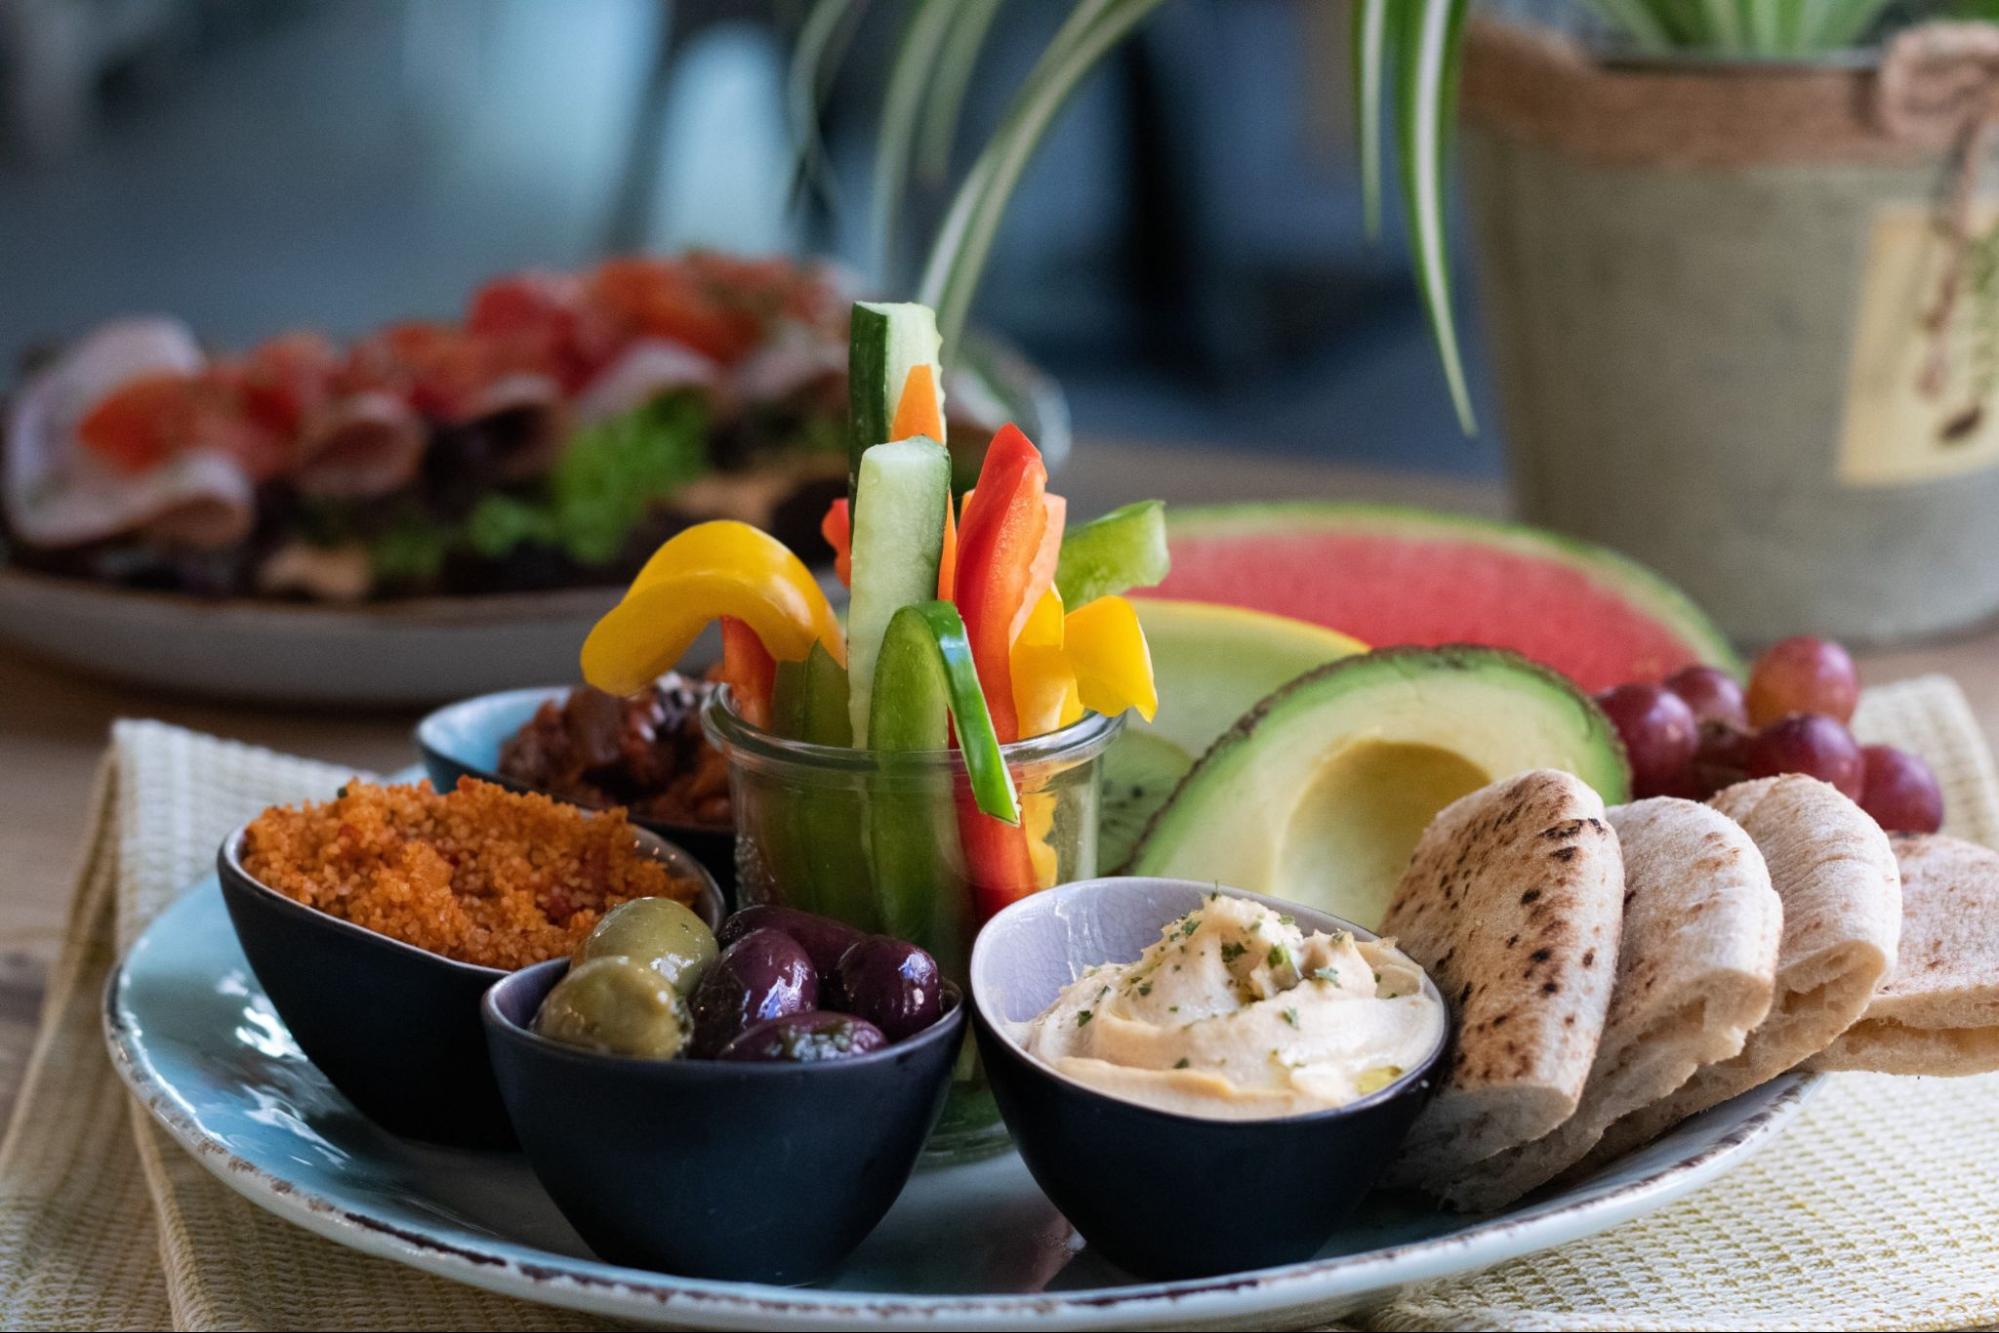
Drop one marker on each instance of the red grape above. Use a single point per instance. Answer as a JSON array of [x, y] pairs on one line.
[[1809, 743], [1900, 791], [1803, 675], [1659, 735], [1713, 694], [1721, 760]]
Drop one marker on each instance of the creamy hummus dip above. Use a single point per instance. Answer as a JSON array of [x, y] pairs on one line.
[[1237, 1014]]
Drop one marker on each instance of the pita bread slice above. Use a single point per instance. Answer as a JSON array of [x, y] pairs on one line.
[[1938, 1011], [1696, 968], [1511, 901], [1832, 867]]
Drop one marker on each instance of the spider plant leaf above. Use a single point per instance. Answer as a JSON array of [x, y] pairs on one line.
[[950, 240], [1721, 24], [1371, 32], [816, 52], [964, 241], [1761, 24], [1844, 22], [971, 21], [1427, 82], [902, 109]]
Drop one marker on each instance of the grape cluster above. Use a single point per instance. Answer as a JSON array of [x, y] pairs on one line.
[[1700, 731]]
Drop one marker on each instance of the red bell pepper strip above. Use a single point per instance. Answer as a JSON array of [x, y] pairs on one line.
[[749, 671], [997, 545], [838, 530]]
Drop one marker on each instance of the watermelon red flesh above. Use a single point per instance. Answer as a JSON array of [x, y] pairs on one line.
[[1390, 576]]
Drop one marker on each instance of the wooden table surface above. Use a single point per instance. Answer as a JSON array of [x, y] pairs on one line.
[[53, 724]]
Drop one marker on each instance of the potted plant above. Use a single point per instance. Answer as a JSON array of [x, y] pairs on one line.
[[1742, 293], [1741, 285]]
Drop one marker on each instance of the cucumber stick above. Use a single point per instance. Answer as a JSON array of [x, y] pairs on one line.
[[898, 540], [1124, 549], [885, 340]]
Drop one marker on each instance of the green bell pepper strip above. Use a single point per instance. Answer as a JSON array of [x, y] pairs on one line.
[[1124, 549]]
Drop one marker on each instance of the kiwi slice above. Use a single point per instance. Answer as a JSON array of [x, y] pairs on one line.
[[1141, 769]]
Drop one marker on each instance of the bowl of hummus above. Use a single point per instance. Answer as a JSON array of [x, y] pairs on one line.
[[1203, 1080]]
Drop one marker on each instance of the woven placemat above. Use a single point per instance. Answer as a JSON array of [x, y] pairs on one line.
[[1874, 1211]]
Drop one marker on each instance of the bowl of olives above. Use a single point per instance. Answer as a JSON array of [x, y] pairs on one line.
[[743, 1105]]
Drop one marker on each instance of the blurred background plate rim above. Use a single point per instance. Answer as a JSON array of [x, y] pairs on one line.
[[1732, 1133]]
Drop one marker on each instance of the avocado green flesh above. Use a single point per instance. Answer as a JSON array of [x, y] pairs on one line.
[[1319, 795], [1213, 663]]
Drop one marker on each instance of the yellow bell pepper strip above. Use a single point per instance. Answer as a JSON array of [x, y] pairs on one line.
[[748, 670], [1037, 822], [715, 569], [1045, 696], [1124, 549], [838, 530], [1105, 646], [997, 543]]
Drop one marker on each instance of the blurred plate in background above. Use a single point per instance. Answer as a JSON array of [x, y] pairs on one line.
[[401, 653]]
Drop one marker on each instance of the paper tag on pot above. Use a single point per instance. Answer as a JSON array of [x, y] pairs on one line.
[[1922, 390]]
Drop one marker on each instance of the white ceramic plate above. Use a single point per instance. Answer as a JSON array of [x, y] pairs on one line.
[[965, 1247]]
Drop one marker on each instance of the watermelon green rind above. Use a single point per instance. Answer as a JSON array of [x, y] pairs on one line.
[[1617, 574]]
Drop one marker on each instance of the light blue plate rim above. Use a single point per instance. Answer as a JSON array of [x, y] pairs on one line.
[[1736, 1130]]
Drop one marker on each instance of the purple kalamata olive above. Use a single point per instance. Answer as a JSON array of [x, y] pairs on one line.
[[764, 974], [822, 938], [806, 1038], [891, 983]]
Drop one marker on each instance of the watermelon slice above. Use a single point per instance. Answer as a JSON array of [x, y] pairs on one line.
[[1390, 575]]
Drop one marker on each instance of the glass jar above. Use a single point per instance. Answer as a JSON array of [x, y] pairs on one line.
[[871, 837]]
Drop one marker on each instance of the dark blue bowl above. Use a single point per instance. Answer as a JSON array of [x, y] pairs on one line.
[[463, 739], [395, 1028], [718, 1169], [1163, 1195]]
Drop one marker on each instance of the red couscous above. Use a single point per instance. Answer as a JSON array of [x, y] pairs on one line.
[[480, 874]]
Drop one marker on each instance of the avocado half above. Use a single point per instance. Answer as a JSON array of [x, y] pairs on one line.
[[1319, 793]]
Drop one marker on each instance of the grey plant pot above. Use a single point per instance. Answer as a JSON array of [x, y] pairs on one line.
[[1678, 350]]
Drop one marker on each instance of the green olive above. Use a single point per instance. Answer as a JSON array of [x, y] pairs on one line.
[[619, 1006], [658, 932]]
